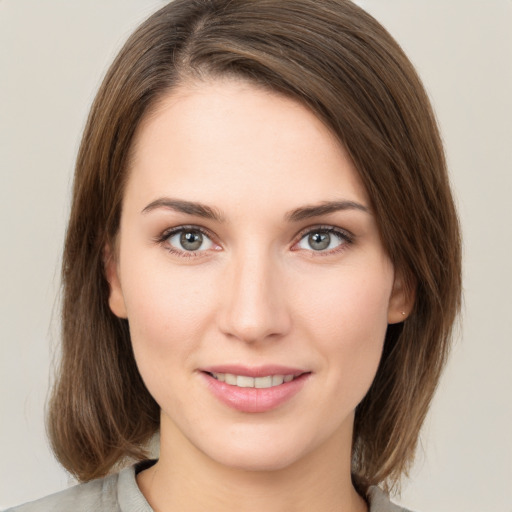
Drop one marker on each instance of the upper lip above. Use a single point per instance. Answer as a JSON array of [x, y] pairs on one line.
[[254, 371]]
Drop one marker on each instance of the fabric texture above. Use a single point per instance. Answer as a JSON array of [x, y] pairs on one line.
[[120, 493]]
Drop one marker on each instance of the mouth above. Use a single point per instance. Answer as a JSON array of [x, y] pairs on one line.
[[245, 381], [252, 390]]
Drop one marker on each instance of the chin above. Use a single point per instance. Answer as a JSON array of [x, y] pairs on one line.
[[266, 450], [268, 459]]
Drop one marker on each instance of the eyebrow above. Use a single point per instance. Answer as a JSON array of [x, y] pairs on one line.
[[307, 212], [188, 207], [302, 213]]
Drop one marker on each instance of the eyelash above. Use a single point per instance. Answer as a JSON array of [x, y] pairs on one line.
[[163, 239], [346, 237]]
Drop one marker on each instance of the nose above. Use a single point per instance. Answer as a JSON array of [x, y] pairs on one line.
[[255, 306]]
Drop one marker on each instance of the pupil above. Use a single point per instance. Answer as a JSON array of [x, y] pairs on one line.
[[191, 240], [319, 241]]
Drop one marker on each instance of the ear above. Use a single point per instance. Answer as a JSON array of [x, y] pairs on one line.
[[401, 300], [115, 298]]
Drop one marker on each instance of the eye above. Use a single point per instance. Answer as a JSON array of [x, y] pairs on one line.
[[189, 240], [323, 240]]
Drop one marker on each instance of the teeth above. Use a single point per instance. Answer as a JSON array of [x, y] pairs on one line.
[[263, 382], [229, 378], [277, 380], [242, 381]]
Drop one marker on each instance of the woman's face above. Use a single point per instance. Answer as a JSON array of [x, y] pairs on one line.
[[248, 255]]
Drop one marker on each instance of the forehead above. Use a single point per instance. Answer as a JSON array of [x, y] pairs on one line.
[[227, 137]]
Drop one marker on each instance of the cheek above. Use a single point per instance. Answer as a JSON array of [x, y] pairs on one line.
[[168, 310], [168, 314], [347, 316]]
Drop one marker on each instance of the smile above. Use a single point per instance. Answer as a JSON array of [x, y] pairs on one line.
[[266, 389], [244, 381]]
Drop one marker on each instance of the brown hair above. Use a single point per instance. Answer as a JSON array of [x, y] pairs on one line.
[[341, 63]]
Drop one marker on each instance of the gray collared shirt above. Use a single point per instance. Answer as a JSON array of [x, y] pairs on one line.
[[120, 493]]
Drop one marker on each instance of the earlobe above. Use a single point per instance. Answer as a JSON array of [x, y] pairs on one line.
[[401, 300], [115, 298]]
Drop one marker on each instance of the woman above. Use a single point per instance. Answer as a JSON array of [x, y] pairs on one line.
[[262, 264]]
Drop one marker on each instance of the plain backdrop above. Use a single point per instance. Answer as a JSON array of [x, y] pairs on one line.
[[53, 54]]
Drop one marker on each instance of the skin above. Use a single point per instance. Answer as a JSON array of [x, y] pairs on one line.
[[255, 293]]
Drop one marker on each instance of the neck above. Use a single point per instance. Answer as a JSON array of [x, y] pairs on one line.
[[185, 478]]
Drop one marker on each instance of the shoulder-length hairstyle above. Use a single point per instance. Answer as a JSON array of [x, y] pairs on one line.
[[337, 60]]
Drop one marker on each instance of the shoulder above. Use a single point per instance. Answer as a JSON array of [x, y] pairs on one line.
[[97, 495], [380, 502], [114, 493], [94, 495]]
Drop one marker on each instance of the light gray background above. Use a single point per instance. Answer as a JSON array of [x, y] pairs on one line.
[[53, 54]]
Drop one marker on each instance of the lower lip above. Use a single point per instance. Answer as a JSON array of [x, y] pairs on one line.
[[255, 399]]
